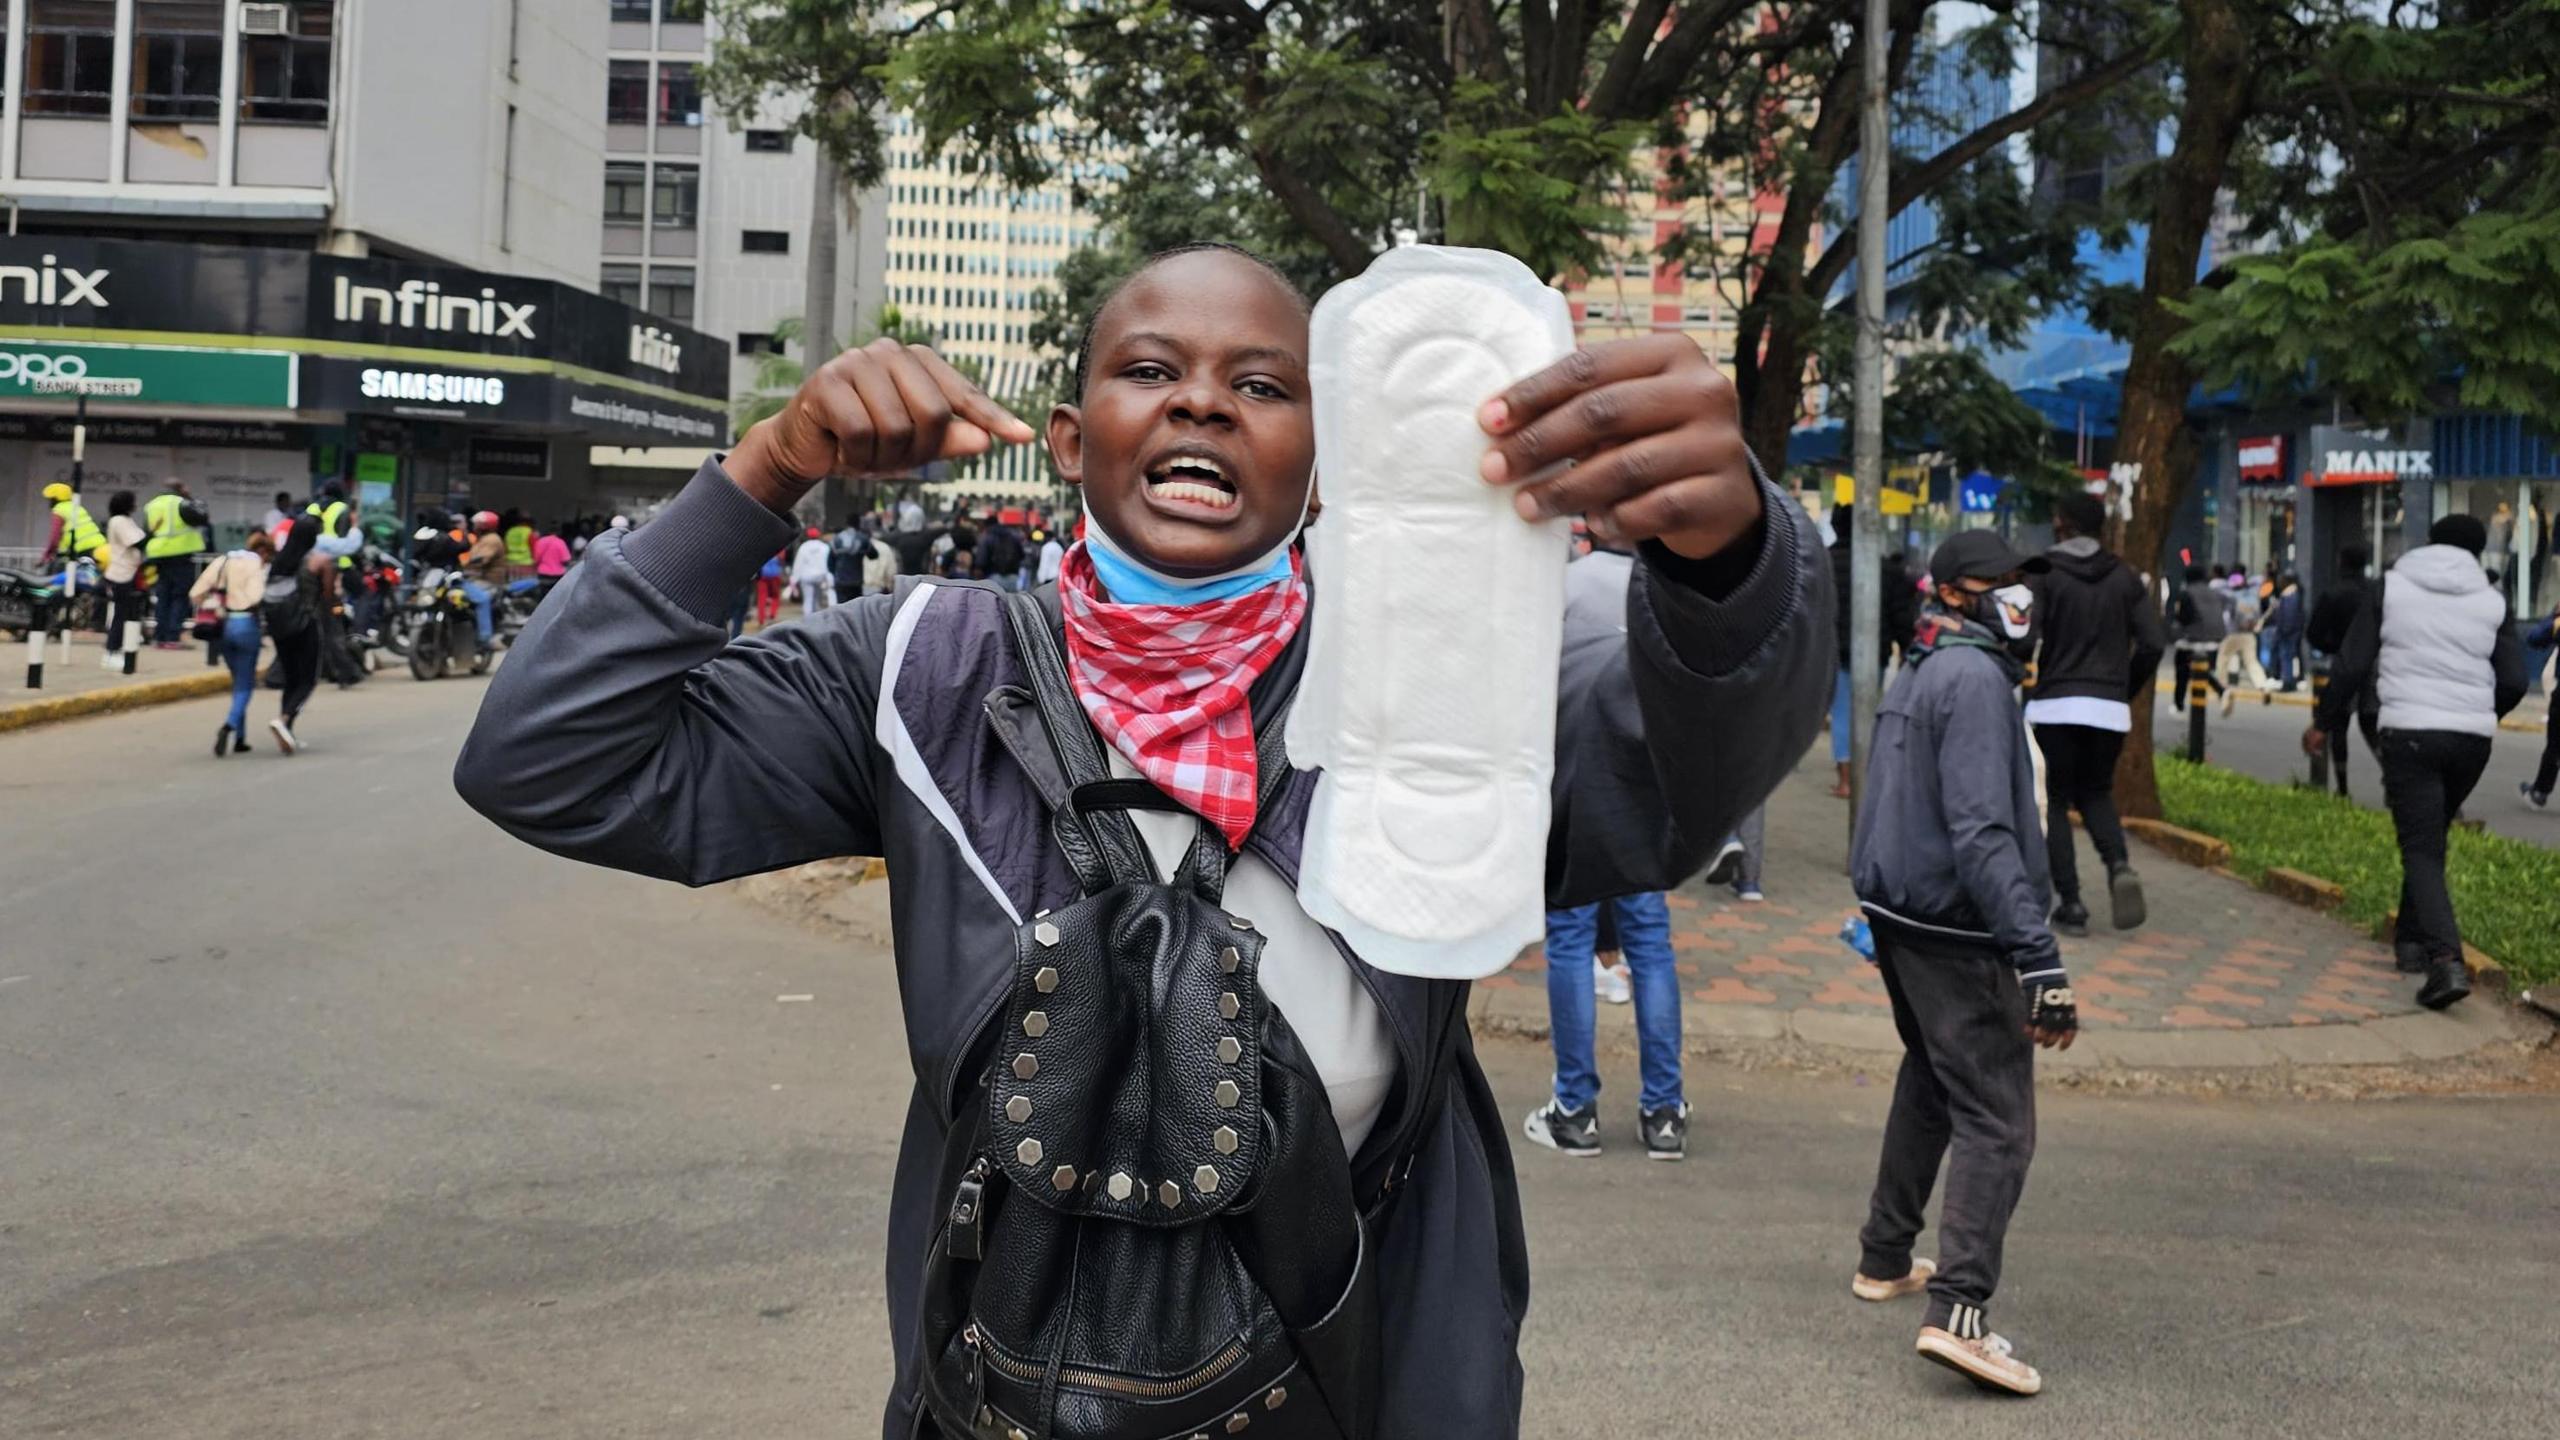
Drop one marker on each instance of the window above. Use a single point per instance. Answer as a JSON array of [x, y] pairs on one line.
[[177, 60], [680, 9], [775, 142], [765, 242], [679, 95], [625, 198], [634, 10], [671, 295], [753, 343], [676, 203], [71, 49], [286, 77], [622, 283], [626, 92]]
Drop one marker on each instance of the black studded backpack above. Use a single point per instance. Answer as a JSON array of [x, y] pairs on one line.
[[1149, 1230]]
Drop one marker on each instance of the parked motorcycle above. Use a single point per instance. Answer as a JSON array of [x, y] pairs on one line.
[[443, 631]]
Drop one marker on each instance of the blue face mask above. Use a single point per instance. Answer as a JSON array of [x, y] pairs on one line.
[[1131, 581]]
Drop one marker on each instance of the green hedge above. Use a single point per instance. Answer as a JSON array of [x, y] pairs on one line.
[[2506, 892]]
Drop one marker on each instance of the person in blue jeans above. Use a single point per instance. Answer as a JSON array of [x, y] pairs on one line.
[[1570, 1121], [234, 585]]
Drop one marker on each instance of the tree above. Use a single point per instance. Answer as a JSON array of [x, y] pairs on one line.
[[1500, 125], [2397, 160]]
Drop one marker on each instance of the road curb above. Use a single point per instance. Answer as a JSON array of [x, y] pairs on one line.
[[2194, 847], [112, 699], [2303, 699]]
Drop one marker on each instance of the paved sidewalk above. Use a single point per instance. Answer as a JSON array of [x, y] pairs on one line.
[[2222, 976]]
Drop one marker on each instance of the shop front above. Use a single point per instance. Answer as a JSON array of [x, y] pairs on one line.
[[2369, 486], [2261, 530], [248, 371], [2500, 470]]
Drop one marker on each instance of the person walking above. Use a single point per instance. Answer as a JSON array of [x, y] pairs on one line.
[[769, 589], [879, 567], [237, 586], [2445, 665], [175, 524], [1947, 866], [1053, 553], [298, 585], [2202, 613], [2239, 663], [2098, 644], [2537, 791], [1569, 1123], [1898, 610], [124, 575], [2332, 616], [813, 572], [550, 557], [2288, 618]]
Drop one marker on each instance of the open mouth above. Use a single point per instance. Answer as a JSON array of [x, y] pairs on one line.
[[1192, 478]]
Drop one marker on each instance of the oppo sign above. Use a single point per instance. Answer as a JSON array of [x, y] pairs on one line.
[[43, 374]]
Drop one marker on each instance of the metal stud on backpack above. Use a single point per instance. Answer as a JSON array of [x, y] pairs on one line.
[[1149, 1229]]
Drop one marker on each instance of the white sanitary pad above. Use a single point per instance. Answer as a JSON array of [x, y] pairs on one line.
[[1429, 698]]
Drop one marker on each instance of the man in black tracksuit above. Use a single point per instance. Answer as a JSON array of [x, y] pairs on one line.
[[2098, 644], [1948, 866]]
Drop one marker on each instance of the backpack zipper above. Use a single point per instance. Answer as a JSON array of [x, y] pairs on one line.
[[1024, 1372]]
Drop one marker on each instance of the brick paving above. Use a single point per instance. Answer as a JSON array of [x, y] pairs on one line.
[[2216, 955]]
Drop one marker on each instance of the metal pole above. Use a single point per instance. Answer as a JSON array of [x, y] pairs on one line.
[[1866, 545]]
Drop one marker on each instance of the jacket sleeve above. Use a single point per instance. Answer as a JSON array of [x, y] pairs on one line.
[[1673, 725], [2150, 639], [2351, 672], [2506, 657], [627, 730], [1976, 796]]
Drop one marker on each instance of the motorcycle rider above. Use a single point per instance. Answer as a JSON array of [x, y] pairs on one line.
[[75, 533], [484, 568]]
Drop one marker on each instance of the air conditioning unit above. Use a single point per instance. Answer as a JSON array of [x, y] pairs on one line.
[[266, 19]]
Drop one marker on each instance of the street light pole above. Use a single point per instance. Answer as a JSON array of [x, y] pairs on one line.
[[1866, 544]]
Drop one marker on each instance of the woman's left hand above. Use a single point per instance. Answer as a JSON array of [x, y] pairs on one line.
[[1655, 434]]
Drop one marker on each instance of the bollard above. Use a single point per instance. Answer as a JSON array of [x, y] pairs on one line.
[[132, 644], [70, 593], [35, 656], [2199, 691]]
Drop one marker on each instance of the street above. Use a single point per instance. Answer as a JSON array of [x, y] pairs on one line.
[[333, 1112], [2265, 741]]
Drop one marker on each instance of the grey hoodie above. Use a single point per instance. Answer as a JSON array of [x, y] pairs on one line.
[[1947, 842]]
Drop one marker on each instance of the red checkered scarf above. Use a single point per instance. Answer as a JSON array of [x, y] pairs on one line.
[[1165, 684]]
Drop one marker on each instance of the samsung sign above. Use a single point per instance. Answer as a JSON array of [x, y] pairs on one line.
[[432, 387]]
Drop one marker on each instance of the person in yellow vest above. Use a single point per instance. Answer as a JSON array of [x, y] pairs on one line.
[[173, 525], [75, 534], [337, 516], [517, 532]]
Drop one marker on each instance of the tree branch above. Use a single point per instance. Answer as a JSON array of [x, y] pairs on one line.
[[1920, 179], [1628, 57]]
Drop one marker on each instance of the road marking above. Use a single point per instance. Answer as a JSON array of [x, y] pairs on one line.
[[12, 980], [792, 999]]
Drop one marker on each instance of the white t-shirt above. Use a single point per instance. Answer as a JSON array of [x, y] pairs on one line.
[[1333, 1014], [1053, 557], [809, 562], [2093, 711]]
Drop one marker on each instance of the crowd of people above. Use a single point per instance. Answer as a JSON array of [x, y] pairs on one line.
[[1014, 548]]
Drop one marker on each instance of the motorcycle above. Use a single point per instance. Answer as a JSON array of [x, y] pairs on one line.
[[26, 601], [442, 627]]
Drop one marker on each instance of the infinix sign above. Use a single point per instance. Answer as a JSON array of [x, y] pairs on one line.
[[432, 388], [49, 286], [656, 349], [423, 305]]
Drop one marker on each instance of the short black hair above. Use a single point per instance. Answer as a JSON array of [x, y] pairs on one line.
[[120, 503], [1084, 342], [2355, 556], [334, 490], [2085, 514]]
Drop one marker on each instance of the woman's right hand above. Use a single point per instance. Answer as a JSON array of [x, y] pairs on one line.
[[883, 409]]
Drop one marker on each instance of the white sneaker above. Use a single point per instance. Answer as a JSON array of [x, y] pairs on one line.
[[1990, 1362], [283, 734], [1749, 896], [1613, 983], [112, 660]]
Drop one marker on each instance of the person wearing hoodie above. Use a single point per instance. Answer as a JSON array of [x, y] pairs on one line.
[[1948, 867], [2537, 791], [2098, 644], [2202, 610], [2332, 616], [2444, 664]]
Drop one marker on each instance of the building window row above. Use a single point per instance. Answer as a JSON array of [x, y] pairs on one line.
[[663, 290], [176, 73], [667, 196], [639, 11]]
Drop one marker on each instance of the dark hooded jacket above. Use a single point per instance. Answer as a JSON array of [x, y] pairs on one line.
[[1947, 844], [2097, 633], [627, 730]]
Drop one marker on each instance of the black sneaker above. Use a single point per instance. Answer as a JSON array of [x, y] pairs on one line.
[[2535, 798], [1727, 866], [1573, 1132], [2448, 980], [1665, 1132], [2124, 897], [2071, 918]]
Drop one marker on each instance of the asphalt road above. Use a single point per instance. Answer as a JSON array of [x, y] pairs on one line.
[[2266, 741], [326, 1111]]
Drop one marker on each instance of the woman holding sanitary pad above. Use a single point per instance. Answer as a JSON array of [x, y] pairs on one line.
[[627, 729]]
